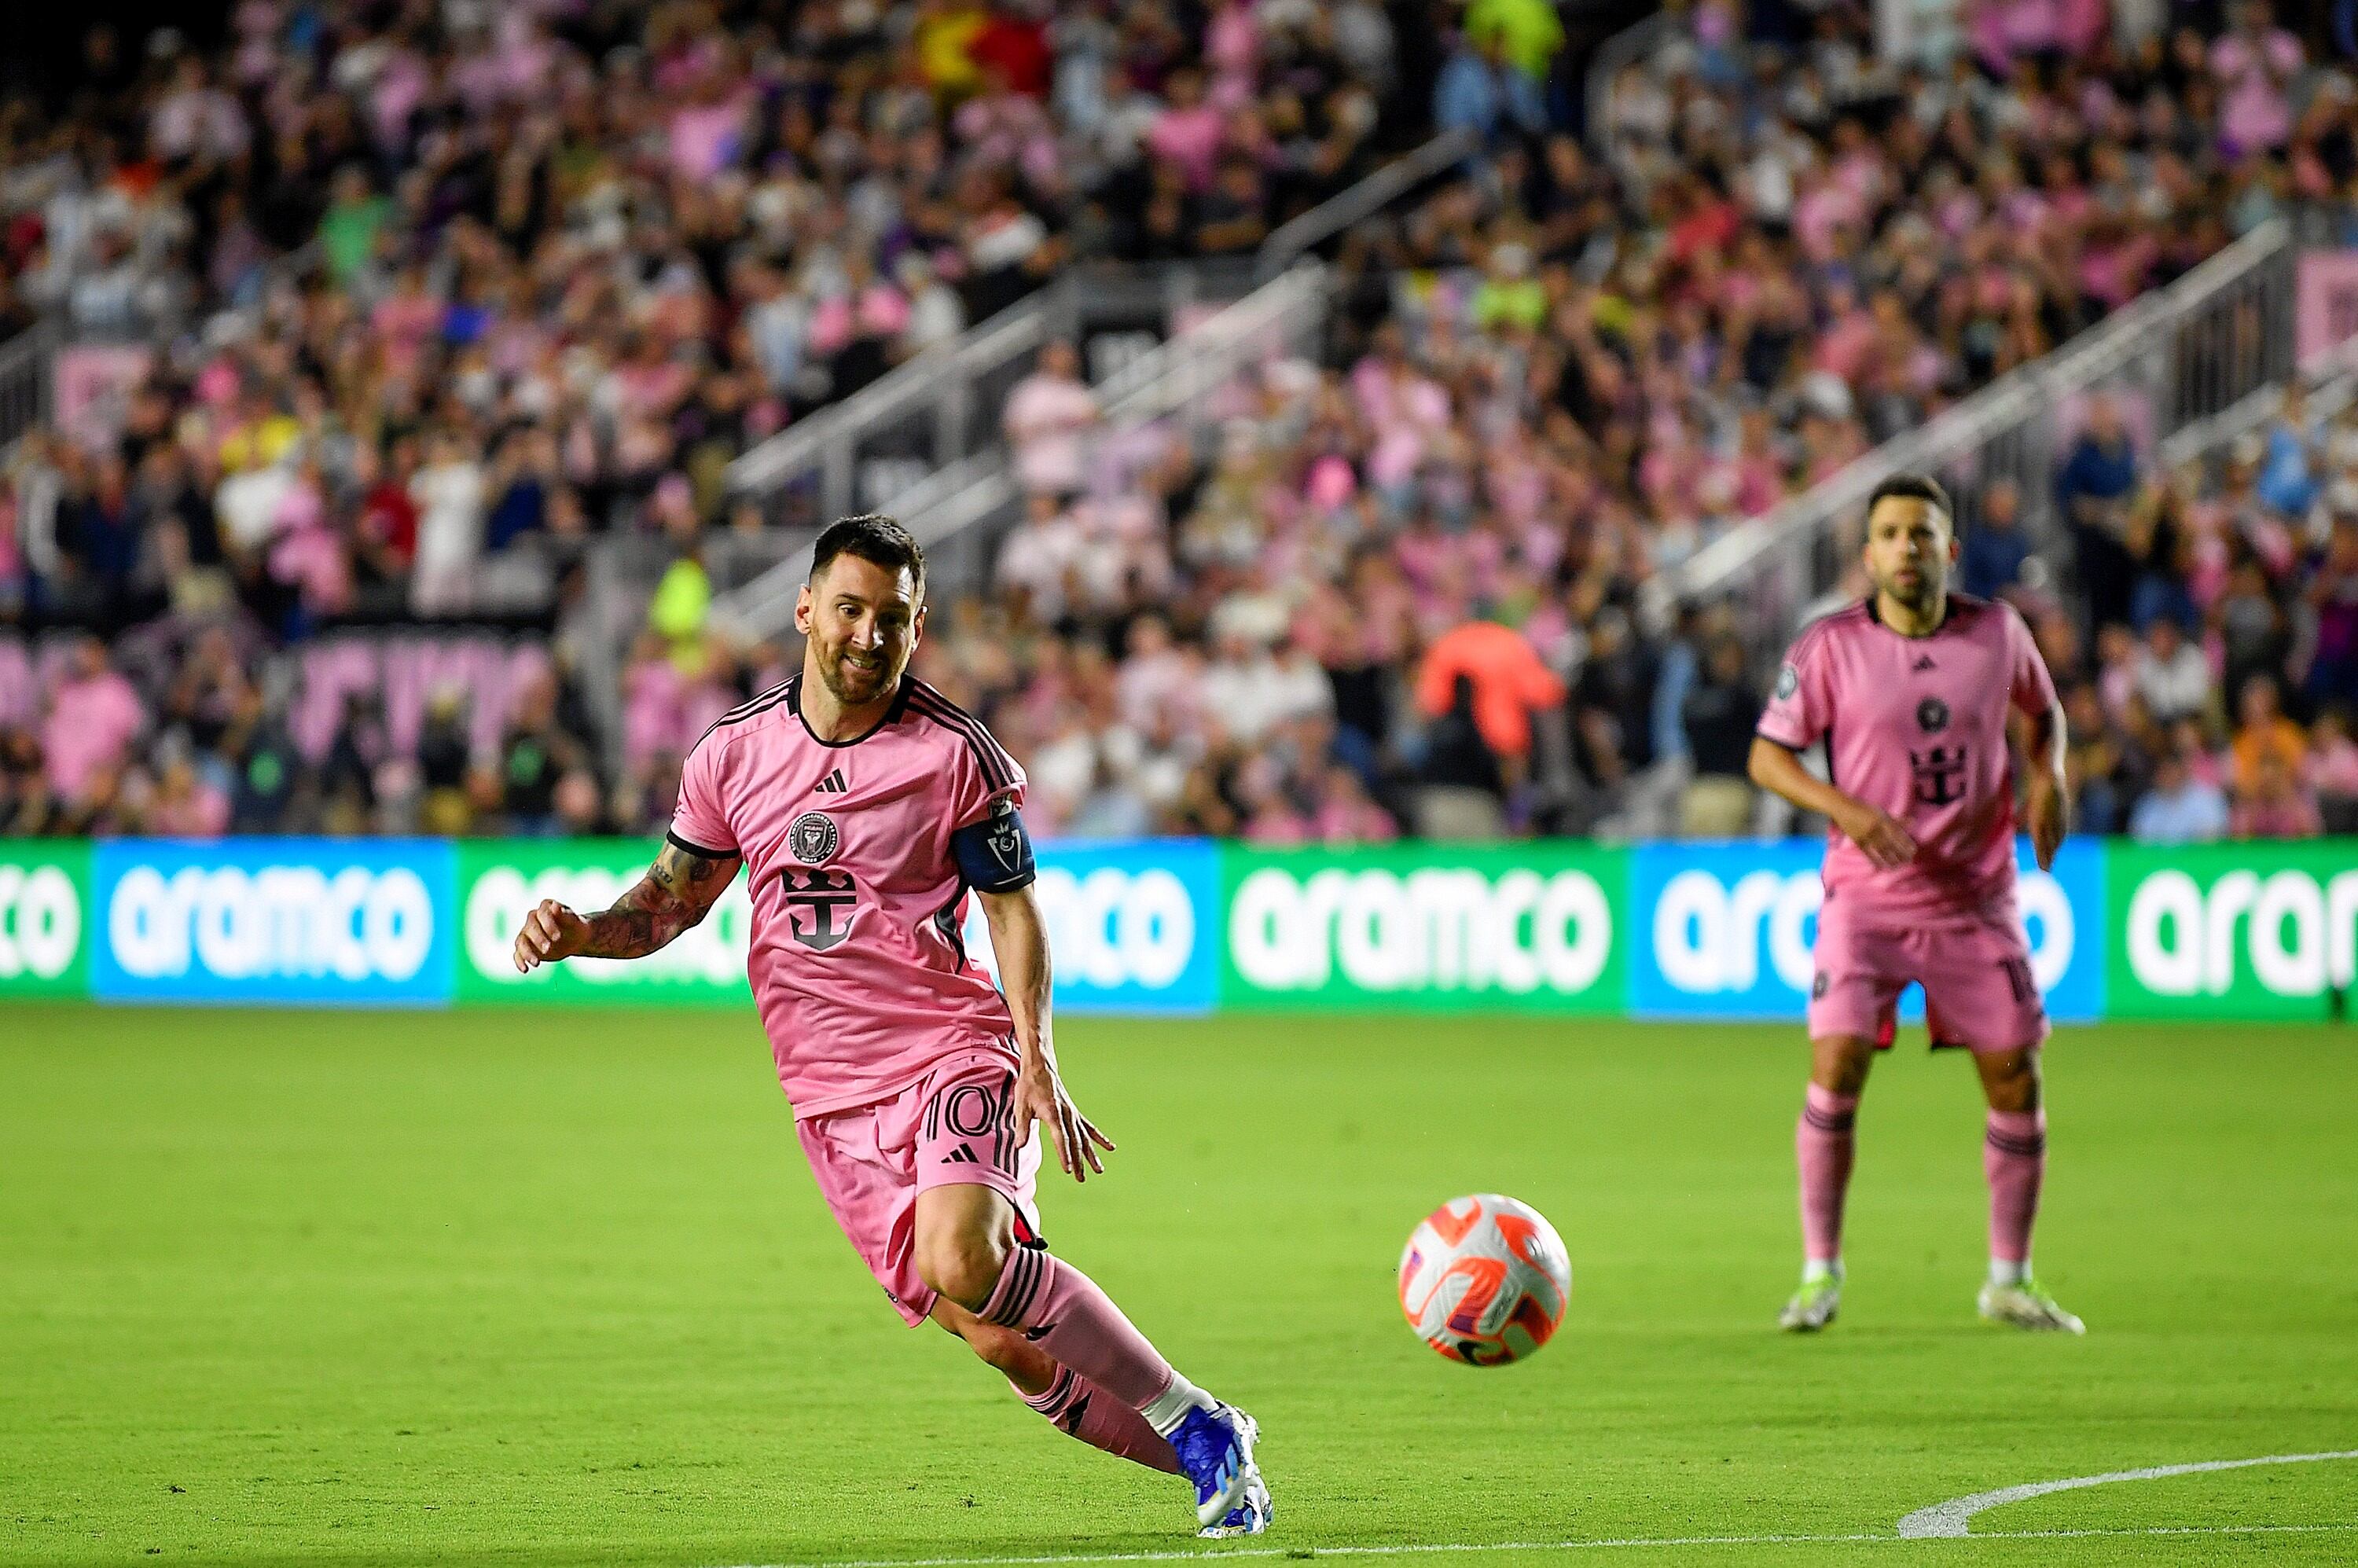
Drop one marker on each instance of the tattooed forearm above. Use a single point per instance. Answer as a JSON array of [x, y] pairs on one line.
[[674, 895]]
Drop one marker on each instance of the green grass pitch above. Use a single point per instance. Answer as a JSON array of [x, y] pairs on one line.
[[555, 1287]]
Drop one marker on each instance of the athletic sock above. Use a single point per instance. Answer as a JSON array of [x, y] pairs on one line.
[[1060, 1310], [2014, 1157], [1822, 1146], [2006, 1272], [1082, 1410]]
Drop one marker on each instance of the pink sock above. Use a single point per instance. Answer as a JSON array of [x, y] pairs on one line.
[[1060, 1310], [1086, 1412], [2014, 1157], [1823, 1146]]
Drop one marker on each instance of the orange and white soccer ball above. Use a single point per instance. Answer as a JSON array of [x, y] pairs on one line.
[[1484, 1279]]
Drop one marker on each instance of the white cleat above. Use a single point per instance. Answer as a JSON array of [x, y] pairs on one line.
[[1812, 1307], [1251, 1514], [2027, 1305]]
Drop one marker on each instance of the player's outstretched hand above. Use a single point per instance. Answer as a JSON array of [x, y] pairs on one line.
[[550, 931], [1878, 834], [1040, 1097]]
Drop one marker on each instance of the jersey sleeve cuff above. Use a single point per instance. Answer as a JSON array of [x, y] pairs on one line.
[[1766, 733], [698, 850]]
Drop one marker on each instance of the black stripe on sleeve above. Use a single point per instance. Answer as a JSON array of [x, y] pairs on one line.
[[698, 850], [997, 767]]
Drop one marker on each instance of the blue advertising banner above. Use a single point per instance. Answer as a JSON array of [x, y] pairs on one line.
[[1724, 930], [282, 920], [1133, 928]]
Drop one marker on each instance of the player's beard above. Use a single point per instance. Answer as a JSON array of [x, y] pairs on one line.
[[850, 683], [1919, 596]]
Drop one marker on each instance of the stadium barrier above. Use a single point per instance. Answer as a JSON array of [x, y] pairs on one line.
[[1658, 930]]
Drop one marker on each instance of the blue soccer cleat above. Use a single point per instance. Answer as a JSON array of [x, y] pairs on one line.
[[1216, 1451]]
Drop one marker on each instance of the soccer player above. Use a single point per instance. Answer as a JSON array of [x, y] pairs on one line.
[[1912, 689], [864, 805]]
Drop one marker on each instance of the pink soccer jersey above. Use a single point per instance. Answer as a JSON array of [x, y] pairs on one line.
[[857, 963], [1917, 726]]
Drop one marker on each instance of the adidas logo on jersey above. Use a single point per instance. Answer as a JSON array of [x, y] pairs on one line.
[[961, 1155], [833, 784], [1924, 662]]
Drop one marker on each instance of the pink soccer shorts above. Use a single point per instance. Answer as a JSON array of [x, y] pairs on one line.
[[1978, 989], [955, 1126]]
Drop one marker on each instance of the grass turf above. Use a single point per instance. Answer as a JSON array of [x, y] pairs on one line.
[[551, 1287]]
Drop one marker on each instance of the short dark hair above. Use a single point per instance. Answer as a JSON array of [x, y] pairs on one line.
[[873, 537], [1914, 487]]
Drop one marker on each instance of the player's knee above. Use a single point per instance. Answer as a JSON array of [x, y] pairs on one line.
[[1839, 1065], [964, 1267], [2010, 1080]]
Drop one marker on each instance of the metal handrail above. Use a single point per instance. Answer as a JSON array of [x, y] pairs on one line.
[[26, 383], [1298, 236], [941, 378], [1617, 53], [2331, 384], [2022, 395], [1020, 329], [1160, 380], [960, 496]]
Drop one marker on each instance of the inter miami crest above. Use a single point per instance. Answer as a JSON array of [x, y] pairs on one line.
[[1932, 714], [1788, 681], [812, 839]]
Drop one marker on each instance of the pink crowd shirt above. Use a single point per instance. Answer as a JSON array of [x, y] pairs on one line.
[[1916, 726], [860, 970]]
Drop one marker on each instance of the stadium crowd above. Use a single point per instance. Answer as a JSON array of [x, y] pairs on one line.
[[568, 273], [566, 254]]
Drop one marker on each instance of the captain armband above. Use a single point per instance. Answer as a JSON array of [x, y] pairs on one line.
[[994, 855]]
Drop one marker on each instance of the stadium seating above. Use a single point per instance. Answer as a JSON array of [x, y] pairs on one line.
[[1400, 594]]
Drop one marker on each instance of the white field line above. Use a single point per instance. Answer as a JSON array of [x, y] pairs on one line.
[[1952, 1517], [1624, 1543]]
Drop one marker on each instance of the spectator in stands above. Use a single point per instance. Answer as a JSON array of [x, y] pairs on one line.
[[2171, 675], [2288, 477], [449, 494], [2094, 489], [1479, 91], [445, 766], [2255, 635], [94, 717], [185, 804], [2255, 63], [1994, 546], [2275, 804], [267, 772], [2332, 599], [28, 804], [1045, 418], [1509, 687], [671, 240], [1609, 699], [360, 752], [2330, 770], [535, 755], [2096, 764], [2263, 733], [2179, 809], [1460, 789], [1718, 716]]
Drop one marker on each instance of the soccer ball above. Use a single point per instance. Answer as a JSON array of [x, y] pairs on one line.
[[1484, 1279]]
